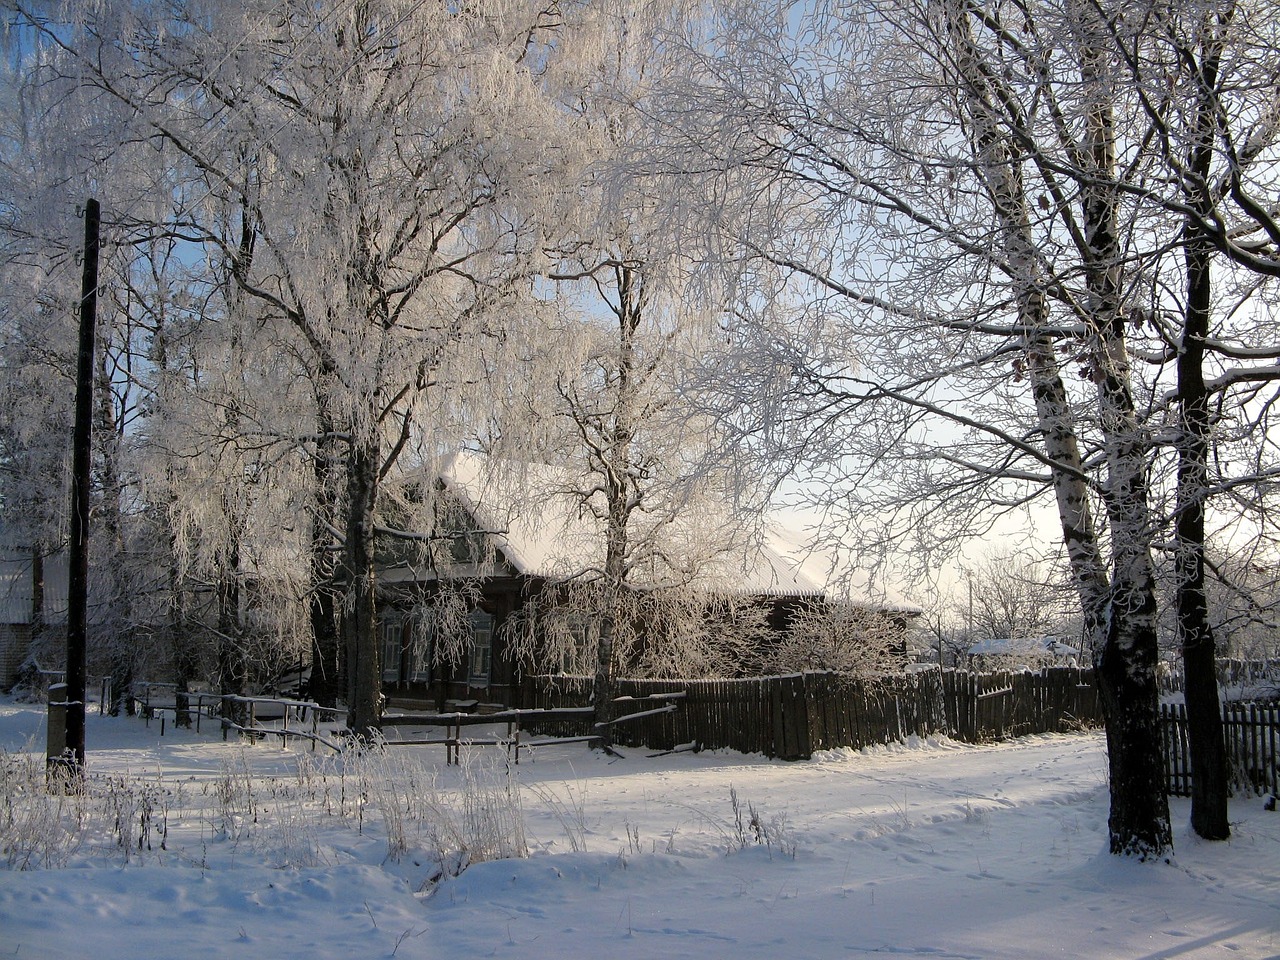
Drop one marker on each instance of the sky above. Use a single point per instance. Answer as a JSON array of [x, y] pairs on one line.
[[924, 849]]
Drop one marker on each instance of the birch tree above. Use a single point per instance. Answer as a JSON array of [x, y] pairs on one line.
[[955, 245]]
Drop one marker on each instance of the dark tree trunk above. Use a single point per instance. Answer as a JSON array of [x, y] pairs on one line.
[[185, 659], [614, 461], [1126, 665], [116, 613], [604, 684], [328, 679], [327, 660], [1204, 712], [1125, 670], [359, 635], [81, 456]]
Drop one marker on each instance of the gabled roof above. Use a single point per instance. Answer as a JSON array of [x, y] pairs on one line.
[[542, 529]]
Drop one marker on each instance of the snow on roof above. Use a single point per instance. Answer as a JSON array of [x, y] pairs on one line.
[[543, 529]]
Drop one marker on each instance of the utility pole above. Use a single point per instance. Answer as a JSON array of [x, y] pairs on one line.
[[78, 581]]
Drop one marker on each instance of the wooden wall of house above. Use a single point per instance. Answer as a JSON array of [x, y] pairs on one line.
[[15, 638], [500, 598]]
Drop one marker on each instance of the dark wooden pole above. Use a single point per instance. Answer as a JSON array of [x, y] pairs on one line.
[[78, 581]]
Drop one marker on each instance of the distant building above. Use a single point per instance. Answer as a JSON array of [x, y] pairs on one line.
[[17, 590]]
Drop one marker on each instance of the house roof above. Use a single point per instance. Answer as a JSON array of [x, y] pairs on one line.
[[542, 528]]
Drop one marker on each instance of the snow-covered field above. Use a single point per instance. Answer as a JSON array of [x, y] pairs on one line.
[[930, 849]]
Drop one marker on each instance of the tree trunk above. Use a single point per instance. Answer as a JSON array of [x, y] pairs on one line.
[[604, 686], [1125, 672], [614, 463], [185, 660], [233, 674], [116, 617], [1204, 711], [37, 595], [327, 675], [1126, 665], [359, 633]]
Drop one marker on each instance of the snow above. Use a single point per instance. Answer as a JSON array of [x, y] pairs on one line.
[[928, 848]]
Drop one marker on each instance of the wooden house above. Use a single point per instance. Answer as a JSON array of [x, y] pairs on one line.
[[507, 540]]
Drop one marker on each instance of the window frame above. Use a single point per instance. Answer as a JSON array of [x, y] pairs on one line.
[[391, 631]]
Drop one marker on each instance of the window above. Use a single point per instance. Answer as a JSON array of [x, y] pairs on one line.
[[392, 646], [481, 649]]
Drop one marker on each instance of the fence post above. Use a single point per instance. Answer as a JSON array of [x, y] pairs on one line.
[[56, 735]]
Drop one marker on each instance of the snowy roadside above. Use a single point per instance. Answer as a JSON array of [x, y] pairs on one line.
[[926, 848]]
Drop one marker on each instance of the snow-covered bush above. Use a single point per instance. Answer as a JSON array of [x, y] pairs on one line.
[[476, 819], [839, 637], [39, 818]]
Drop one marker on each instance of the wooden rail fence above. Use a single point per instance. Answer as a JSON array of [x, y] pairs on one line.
[[160, 701], [546, 724], [791, 717]]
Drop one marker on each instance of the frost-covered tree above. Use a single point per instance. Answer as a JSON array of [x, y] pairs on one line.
[[997, 241], [371, 176], [1202, 74], [930, 191], [635, 316], [46, 178], [843, 638], [1010, 595]]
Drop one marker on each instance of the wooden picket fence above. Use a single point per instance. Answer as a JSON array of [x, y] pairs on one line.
[[793, 716], [1252, 735]]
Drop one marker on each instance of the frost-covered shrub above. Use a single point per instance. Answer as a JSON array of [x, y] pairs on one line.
[[479, 818]]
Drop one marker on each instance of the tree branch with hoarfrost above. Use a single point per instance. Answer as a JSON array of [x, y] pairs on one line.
[[367, 173], [946, 316]]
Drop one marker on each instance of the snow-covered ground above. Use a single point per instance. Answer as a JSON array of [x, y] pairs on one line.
[[930, 849]]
